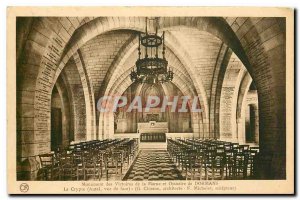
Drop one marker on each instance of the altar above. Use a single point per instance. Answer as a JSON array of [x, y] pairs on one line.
[[153, 127], [153, 132]]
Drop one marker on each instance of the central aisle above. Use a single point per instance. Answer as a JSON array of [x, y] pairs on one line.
[[153, 165]]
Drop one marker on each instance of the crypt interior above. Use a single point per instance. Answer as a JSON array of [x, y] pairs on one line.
[[235, 65]]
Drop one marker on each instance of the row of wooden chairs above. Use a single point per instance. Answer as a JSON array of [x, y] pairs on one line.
[[88, 160], [213, 159]]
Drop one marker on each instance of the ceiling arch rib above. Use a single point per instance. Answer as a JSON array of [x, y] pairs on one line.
[[212, 25], [203, 49], [131, 20], [112, 25], [123, 78], [118, 64], [88, 95], [101, 25], [265, 51], [123, 82], [100, 52], [123, 54], [184, 57], [173, 62], [244, 87], [186, 71], [216, 26]]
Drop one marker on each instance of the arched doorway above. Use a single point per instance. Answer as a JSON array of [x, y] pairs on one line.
[[56, 120]]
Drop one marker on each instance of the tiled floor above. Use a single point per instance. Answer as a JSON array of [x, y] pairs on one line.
[[153, 165]]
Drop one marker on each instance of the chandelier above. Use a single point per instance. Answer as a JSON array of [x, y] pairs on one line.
[[151, 66]]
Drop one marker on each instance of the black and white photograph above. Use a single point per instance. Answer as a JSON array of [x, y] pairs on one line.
[[143, 100]]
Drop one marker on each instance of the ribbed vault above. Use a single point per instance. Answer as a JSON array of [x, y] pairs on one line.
[[96, 54]]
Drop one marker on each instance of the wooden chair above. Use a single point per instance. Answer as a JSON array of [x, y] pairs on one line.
[[243, 148], [229, 163], [220, 162], [187, 160], [49, 167], [214, 163], [78, 162], [99, 159], [112, 163], [251, 161], [240, 165], [89, 165], [67, 167]]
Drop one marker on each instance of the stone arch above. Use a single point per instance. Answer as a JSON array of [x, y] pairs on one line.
[[228, 99], [129, 49], [105, 24], [66, 111], [120, 23], [88, 97], [112, 78], [72, 76], [178, 70], [215, 26], [262, 53], [216, 88], [123, 81], [40, 53], [252, 121], [244, 87]]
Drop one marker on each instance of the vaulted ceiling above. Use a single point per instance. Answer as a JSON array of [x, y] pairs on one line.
[[191, 53]]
